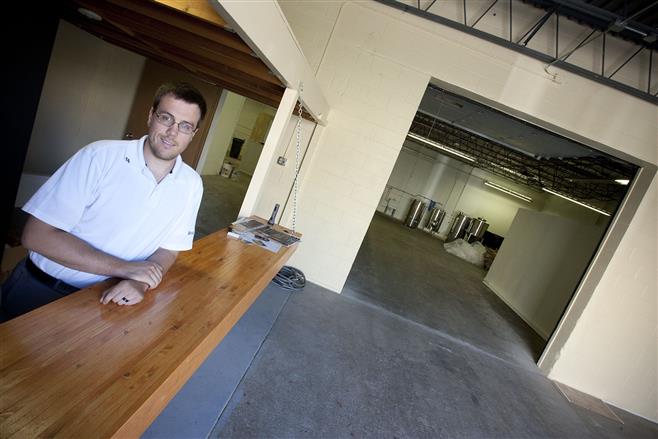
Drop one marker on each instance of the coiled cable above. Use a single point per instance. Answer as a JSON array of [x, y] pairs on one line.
[[290, 278]]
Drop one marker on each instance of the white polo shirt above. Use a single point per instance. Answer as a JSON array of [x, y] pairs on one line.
[[106, 196]]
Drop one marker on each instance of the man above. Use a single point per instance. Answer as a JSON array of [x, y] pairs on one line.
[[120, 209]]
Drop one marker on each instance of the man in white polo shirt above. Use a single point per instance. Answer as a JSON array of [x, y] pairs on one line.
[[121, 209]]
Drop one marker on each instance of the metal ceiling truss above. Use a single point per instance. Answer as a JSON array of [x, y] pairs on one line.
[[583, 178], [602, 22]]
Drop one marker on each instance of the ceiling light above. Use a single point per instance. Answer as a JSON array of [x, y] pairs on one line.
[[508, 191], [508, 170], [90, 14], [580, 203], [441, 147], [623, 181]]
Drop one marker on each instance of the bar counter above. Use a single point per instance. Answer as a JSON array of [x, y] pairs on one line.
[[76, 368]]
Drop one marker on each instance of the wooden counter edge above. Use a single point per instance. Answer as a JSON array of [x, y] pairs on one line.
[[153, 406]]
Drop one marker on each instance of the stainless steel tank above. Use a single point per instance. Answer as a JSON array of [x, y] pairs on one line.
[[476, 229], [459, 226], [434, 220], [415, 214]]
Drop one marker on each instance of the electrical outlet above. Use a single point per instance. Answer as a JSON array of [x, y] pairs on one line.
[[281, 160]]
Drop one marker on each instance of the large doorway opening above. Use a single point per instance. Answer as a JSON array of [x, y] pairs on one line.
[[486, 226]]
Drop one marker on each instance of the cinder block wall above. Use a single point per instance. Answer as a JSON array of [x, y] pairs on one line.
[[374, 68]]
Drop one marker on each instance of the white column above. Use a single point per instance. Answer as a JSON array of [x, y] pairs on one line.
[[269, 154]]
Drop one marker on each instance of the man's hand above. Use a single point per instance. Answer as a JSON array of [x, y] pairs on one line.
[[148, 272], [126, 292]]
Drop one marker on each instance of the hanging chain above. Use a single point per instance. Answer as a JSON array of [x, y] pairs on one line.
[[297, 149]]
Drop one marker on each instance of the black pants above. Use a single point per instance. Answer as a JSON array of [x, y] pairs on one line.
[[25, 291]]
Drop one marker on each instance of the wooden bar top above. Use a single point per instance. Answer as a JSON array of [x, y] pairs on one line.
[[76, 368]]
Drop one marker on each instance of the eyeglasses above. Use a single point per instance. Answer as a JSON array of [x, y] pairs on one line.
[[168, 120]]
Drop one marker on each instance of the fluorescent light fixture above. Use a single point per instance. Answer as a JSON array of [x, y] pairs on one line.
[[508, 170], [441, 147], [508, 191], [623, 181], [580, 203]]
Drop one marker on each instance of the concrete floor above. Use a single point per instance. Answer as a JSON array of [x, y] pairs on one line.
[[408, 272], [435, 356], [335, 367], [222, 198]]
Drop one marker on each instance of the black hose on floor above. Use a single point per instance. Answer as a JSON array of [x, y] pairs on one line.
[[290, 278]]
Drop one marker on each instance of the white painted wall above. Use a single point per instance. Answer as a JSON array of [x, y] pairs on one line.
[[250, 112], [567, 209], [87, 95], [235, 117], [312, 24], [273, 148], [456, 186], [613, 351], [251, 148], [539, 266], [266, 31], [374, 70], [281, 178], [221, 132], [459, 187]]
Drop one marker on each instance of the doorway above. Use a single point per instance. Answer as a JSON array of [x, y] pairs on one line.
[[548, 199], [95, 90]]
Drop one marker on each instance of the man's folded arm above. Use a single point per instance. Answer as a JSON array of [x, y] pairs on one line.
[[72, 252]]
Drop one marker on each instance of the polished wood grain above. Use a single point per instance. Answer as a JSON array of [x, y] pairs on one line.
[[76, 368], [198, 8]]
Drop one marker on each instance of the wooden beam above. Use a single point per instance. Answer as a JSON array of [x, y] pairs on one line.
[[198, 8], [269, 96], [164, 31]]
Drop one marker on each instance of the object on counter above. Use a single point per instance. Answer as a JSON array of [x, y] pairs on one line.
[[255, 230]]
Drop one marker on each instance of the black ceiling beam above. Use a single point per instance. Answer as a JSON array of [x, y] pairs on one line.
[[484, 13], [535, 28], [597, 173], [511, 45], [604, 20]]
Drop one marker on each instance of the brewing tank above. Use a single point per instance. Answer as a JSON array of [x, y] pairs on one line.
[[476, 229], [434, 220], [415, 214], [459, 226]]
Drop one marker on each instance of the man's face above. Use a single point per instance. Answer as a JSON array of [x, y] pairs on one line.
[[167, 142]]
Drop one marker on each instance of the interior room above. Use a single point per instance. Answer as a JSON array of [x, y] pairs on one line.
[[471, 186], [105, 101], [471, 183]]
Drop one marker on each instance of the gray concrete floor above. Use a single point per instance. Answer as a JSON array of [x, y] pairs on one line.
[[390, 358], [335, 367], [222, 198], [408, 272], [415, 347]]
